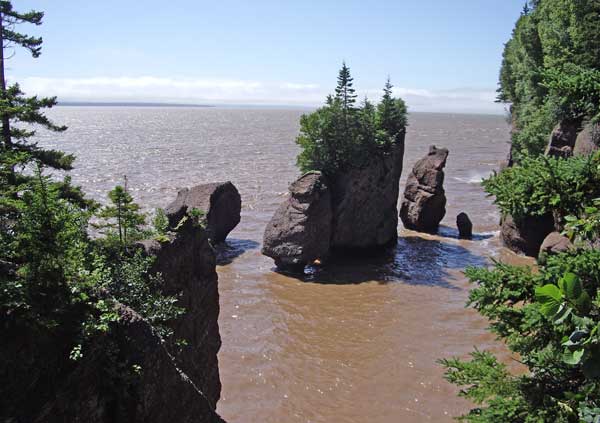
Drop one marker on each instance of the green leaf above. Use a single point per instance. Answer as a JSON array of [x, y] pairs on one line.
[[571, 286], [563, 313], [550, 298], [573, 357]]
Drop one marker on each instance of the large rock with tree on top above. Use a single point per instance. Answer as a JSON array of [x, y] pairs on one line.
[[358, 150]]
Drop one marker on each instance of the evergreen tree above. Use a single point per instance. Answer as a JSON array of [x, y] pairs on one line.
[[122, 217], [344, 91], [16, 108], [391, 114]]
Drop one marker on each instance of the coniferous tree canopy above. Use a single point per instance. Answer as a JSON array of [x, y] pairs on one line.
[[551, 70], [59, 288], [549, 318], [341, 134]]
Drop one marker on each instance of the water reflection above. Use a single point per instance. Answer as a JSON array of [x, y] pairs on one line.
[[415, 259]]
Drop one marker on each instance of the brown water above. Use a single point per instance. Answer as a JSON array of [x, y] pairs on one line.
[[355, 343]]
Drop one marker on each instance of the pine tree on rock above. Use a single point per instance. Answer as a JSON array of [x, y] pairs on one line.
[[344, 91], [392, 116]]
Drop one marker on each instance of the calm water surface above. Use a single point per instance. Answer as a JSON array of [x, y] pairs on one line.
[[356, 343]]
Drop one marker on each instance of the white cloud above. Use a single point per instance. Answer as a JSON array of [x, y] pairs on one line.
[[220, 91]]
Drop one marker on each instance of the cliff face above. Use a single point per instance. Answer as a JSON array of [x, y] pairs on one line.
[[364, 203], [188, 267], [174, 383]]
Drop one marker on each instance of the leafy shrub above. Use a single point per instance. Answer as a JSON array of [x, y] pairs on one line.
[[550, 320], [340, 135], [546, 185]]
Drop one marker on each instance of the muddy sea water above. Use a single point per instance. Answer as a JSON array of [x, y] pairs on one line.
[[357, 342]]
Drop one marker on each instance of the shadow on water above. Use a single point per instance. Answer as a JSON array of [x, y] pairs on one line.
[[232, 248], [413, 260]]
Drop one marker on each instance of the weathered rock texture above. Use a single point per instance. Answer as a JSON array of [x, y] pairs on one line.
[[220, 201], [527, 235], [588, 140], [176, 384], [353, 210], [464, 225], [424, 203], [562, 138], [365, 213], [300, 230], [162, 392], [555, 243], [188, 267]]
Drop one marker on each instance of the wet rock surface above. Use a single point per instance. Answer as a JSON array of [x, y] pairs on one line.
[[424, 203], [464, 225]]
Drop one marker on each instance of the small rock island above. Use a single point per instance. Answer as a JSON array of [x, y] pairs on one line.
[[347, 198]]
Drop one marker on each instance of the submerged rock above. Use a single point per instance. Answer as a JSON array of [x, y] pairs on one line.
[[527, 235], [300, 230], [588, 140], [465, 227], [220, 201], [424, 203], [365, 201], [562, 139]]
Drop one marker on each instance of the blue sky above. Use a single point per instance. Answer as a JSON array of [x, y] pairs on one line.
[[441, 55]]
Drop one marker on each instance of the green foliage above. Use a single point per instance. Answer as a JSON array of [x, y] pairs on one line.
[[122, 219], [584, 229], [546, 185], [550, 70], [550, 319], [341, 135], [60, 290]]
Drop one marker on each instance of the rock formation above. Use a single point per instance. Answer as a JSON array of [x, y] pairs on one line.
[[588, 140], [555, 243], [562, 139], [300, 230], [175, 383], [365, 201], [187, 264], [354, 209], [220, 201], [526, 236], [424, 203], [464, 225]]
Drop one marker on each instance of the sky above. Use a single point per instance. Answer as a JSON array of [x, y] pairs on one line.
[[441, 56]]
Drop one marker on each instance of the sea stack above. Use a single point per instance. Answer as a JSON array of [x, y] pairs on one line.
[[353, 210], [424, 203], [219, 201], [300, 230], [464, 225]]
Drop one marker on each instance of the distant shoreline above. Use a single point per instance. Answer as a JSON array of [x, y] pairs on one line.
[[126, 104], [238, 106]]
